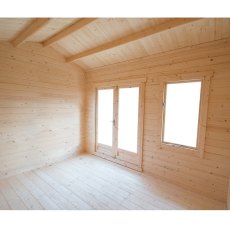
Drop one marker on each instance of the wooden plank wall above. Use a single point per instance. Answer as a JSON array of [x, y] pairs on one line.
[[41, 108], [208, 176]]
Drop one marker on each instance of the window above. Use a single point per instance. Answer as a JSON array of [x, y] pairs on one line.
[[181, 113]]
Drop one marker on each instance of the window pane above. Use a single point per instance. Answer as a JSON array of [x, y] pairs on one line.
[[128, 118], [105, 116], [182, 113]]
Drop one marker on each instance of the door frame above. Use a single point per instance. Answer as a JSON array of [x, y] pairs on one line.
[[114, 154]]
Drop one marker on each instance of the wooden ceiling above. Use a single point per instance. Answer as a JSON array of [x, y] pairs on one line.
[[92, 43]]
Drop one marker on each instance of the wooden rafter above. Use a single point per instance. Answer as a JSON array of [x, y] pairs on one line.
[[68, 30], [132, 37], [33, 27]]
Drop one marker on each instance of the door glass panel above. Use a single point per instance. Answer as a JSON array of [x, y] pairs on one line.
[[128, 107], [105, 117]]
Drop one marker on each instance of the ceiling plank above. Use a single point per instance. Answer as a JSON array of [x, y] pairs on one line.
[[132, 37], [33, 27], [68, 30]]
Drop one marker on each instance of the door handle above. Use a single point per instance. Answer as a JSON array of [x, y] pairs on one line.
[[113, 121]]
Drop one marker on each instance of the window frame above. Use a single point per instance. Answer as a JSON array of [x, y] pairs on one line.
[[204, 78], [164, 112]]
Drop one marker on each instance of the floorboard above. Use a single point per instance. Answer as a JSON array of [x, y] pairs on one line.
[[88, 182]]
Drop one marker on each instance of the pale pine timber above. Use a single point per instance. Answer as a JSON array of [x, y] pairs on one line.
[[208, 175], [41, 108], [82, 183], [132, 37], [32, 28], [68, 30]]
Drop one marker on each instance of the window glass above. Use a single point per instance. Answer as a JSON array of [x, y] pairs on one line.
[[181, 113]]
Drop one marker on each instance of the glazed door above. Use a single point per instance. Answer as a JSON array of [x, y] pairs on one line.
[[119, 123], [128, 123], [105, 120]]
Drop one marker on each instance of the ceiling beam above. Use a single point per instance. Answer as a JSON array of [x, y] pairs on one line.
[[68, 30], [132, 37], [33, 27]]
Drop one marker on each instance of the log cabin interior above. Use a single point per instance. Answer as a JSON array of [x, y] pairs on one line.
[[115, 113]]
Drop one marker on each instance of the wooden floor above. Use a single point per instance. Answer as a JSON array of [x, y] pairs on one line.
[[89, 182]]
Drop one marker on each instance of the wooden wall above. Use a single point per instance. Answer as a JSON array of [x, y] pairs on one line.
[[208, 176], [41, 108]]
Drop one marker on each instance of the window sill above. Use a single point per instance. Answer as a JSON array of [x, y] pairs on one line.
[[181, 149]]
